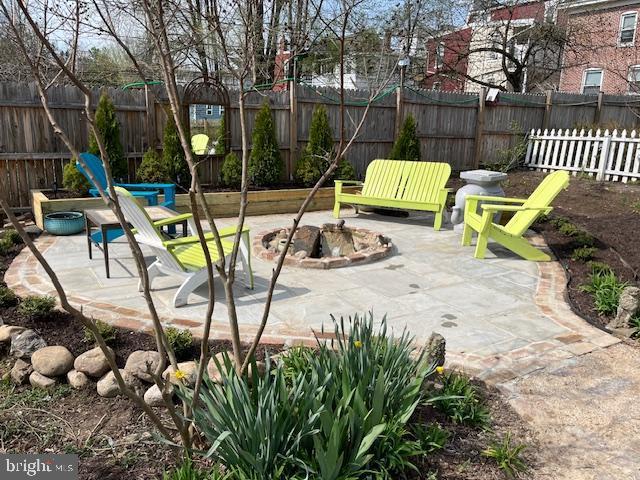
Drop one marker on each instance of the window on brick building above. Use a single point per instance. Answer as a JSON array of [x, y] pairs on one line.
[[628, 24], [634, 80], [440, 56], [592, 81]]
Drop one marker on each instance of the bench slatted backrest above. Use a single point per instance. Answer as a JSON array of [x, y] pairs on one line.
[[541, 197], [405, 180]]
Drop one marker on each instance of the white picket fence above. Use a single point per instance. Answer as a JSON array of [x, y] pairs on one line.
[[606, 155]]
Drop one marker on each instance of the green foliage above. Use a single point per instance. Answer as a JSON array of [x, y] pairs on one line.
[[337, 412], [317, 155], [7, 297], [12, 235], [582, 254], [109, 128], [35, 306], [188, 471], [634, 322], [74, 181], [599, 267], [407, 145], [432, 438], [13, 398], [5, 246], [106, 331], [507, 456], [173, 154], [508, 159], [153, 169], [580, 237], [460, 401], [221, 137], [265, 164], [606, 289], [345, 171], [180, 341], [232, 171], [635, 207]]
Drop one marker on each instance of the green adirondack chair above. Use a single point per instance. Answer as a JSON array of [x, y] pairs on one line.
[[199, 143], [400, 184], [511, 235]]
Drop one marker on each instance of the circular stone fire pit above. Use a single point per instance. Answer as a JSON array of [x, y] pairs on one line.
[[329, 246]]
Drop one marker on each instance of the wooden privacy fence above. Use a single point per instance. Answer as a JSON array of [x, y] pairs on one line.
[[456, 128], [606, 155]]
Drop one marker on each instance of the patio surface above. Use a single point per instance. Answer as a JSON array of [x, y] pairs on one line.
[[502, 317]]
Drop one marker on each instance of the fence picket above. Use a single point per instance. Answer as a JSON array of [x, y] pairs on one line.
[[619, 147]]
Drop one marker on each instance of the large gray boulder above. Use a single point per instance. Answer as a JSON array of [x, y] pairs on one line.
[[628, 306], [7, 332], [52, 361], [25, 344], [92, 362], [187, 376], [142, 363], [77, 380], [38, 380], [20, 372], [153, 396], [108, 386]]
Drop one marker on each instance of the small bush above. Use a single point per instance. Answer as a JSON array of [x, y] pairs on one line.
[[179, 340], [599, 267], [507, 456], [557, 221], [107, 332], [109, 127], [265, 164], [12, 235], [7, 297], [5, 246], [74, 181], [153, 168], [316, 156], [407, 145], [579, 236], [582, 254], [606, 289], [221, 137], [232, 171], [460, 401], [36, 306], [173, 156], [345, 171], [432, 438]]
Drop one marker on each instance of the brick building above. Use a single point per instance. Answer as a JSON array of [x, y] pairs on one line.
[[446, 62], [603, 49]]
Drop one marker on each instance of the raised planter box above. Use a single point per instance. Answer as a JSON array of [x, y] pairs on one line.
[[222, 204]]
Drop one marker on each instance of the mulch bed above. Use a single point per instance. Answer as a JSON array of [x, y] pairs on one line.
[[604, 210]]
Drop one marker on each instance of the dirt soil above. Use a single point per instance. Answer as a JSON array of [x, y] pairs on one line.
[[609, 211]]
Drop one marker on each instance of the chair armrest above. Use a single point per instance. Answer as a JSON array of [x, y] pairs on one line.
[[495, 199], [512, 208], [145, 186], [447, 189], [208, 236], [170, 221], [349, 182]]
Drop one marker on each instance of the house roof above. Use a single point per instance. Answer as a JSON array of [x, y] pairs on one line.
[[577, 6]]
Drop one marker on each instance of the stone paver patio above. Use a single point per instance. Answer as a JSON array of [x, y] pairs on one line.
[[502, 317]]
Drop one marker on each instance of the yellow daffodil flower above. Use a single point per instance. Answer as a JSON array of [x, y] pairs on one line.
[[357, 344]]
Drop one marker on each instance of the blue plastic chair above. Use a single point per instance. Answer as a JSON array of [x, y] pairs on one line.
[[149, 191]]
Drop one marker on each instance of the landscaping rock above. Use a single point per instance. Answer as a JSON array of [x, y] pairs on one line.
[[20, 372], [336, 242], [212, 369], [92, 362], [141, 362], [153, 397], [435, 349], [38, 380], [307, 239], [52, 361], [189, 371], [77, 380], [628, 306], [7, 332], [108, 386], [26, 343]]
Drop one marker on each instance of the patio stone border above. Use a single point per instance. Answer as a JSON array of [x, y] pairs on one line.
[[367, 255], [24, 279]]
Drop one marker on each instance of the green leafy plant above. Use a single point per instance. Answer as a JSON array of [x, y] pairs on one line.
[[460, 401], [173, 156], [265, 164], [7, 297], [606, 289], [35, 306], [599, 267], [108, 332], [109, 127], [232, 171], [432, 437], [221, 137], [180, 341], [5, 246], [153, 168], [635, 207], [507, 456], [407, 145], [12, 235], [579, 236], [187, 470], [74, 181], [582, 254], [317, 154]]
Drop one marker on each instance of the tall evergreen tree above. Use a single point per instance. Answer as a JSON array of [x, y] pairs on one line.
[[265, 164], [221, 140], [109, 127], [407, 146], [173, 154]]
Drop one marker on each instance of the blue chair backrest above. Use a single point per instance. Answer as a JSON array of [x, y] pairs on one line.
[[94, 164]]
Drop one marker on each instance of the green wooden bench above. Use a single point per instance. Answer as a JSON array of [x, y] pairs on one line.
[[400, 184]]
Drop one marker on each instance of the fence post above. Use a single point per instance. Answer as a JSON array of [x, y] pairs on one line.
[[398, 123], [479, 127], [596, 115], [547, 110], [293, 127], [604, 156]]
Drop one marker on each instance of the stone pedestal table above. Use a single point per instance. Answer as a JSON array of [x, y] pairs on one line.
[[478, 182]]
